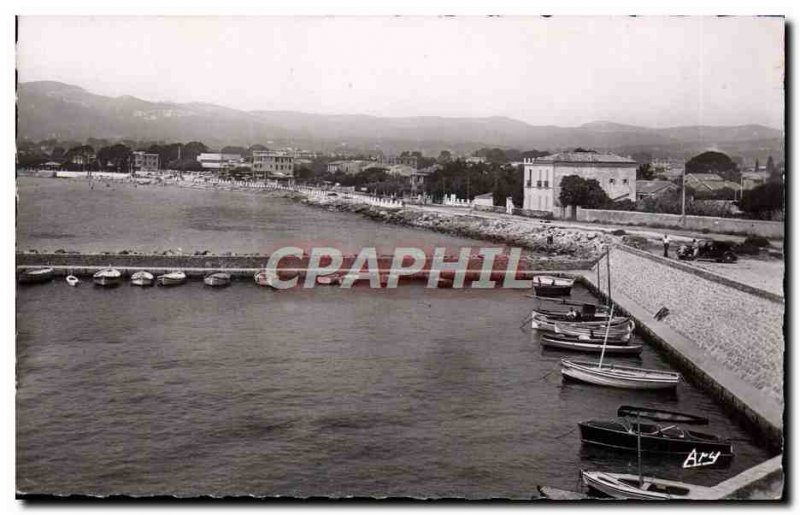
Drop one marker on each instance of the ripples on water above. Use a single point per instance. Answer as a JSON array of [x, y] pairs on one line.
[[406, 392]]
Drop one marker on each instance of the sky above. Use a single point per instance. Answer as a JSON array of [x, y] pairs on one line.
[[562, 70]]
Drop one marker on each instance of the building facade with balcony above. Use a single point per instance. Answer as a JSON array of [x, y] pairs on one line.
[[542, 177], [273, 164], [144, 162]]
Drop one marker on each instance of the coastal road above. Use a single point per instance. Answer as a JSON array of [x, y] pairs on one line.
[[763, 273]]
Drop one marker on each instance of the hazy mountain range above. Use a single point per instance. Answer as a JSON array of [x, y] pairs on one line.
[[48, 109]]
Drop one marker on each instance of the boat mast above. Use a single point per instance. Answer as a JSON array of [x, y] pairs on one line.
[[639, 448], [605, 340], [608, 273]]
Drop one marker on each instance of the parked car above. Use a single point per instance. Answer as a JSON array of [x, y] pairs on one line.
[[719, 251]]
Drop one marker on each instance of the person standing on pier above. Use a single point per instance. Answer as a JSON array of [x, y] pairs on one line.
[[666, 245]]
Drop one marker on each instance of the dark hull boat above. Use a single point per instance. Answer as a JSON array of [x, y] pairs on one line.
[[550, 286], [39, 275], [655, 439], [661, 415], [591, 348]]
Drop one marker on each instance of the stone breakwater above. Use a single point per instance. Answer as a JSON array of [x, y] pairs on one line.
[[201, 259], [574, 244]]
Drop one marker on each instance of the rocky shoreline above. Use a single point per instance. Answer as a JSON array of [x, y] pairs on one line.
[[572, 244], [545, 242]]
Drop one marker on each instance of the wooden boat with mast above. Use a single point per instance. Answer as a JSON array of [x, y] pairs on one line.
[[640, 487], [619, 376], [651, 438]]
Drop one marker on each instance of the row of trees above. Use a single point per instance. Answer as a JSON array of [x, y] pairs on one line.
[[97, 154]]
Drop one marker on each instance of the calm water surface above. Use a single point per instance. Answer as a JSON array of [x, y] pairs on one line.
[[66, 214], [409, 392], [406, 392]]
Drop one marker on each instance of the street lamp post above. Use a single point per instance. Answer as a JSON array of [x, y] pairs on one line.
[[683, 197]]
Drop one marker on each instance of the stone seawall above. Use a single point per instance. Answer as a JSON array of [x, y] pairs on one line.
[[730, 339]]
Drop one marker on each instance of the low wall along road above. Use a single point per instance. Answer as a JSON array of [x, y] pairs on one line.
[[713, 224]]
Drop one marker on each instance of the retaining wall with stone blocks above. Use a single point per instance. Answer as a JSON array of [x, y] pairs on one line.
[[741, 331]]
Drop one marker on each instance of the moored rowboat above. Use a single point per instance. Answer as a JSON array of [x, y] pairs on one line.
[[618, 338], [619, 376], [142, 278], [551, 286], [172, 278], [592, 348], [627, 486], [107, 278], [217, 279], [653, 438], [38, 275], [72, 280]]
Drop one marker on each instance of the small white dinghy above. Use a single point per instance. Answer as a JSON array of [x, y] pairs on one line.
[[72, 280]]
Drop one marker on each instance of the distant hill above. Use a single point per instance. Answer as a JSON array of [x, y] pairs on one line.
[[48, 109]]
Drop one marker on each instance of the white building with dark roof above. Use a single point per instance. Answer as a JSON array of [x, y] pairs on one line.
[[542, 177]]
